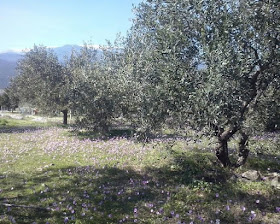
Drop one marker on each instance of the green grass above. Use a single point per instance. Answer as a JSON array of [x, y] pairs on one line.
[[69, 177], [7, 121]]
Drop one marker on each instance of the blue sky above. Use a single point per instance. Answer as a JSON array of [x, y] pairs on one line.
[[52, 23]]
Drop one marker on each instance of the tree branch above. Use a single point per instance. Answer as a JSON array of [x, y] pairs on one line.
[[26, 206]]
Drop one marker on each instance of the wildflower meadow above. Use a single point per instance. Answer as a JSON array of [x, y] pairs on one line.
[[52, 174]]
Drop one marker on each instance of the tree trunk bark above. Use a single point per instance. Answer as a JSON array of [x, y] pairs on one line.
[[65, 114], [104, 127], [243, 150], [222, 149], [222, 153]]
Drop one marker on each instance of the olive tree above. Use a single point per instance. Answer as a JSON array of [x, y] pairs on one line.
[[209, 62], [5, 101], [41, 81], [11, 98], [96, 87], [240, 47], [162, 56]]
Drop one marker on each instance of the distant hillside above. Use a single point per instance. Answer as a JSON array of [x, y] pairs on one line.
[[10, 56], [7, 71], [8, 62], [65, 50]]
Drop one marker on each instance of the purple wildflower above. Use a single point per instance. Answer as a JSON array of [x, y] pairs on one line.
[[252, 216], [66, 219]]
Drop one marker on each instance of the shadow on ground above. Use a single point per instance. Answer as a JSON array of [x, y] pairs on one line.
[[184, 191], [22, 129]]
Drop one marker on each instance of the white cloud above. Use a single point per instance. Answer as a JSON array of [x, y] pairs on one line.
[[15, 50]]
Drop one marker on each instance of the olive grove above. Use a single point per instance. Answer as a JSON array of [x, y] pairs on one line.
[[210, 65]]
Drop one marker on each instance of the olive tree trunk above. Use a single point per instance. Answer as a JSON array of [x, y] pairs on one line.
[[222, 153], [243, 150], [222, 148], [65, 115]]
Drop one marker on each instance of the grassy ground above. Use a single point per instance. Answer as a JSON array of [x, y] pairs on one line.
[[50, 174]]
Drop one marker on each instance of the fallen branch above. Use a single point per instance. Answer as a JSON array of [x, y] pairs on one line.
[[26, 206]]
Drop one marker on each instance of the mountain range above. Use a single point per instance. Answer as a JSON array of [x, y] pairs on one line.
[[8, 62]]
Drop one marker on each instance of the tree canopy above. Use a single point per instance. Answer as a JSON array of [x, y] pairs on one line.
[[42, 81], [98, 88], [210, 63]]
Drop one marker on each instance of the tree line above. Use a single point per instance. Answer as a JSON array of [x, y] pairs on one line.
[[211, 65]]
